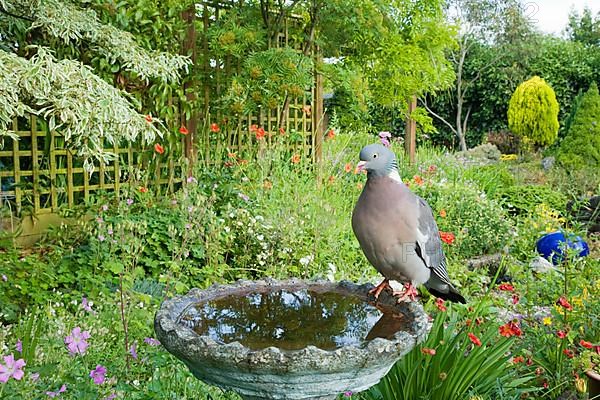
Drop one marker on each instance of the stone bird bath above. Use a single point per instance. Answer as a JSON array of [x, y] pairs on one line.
[[289, 339]]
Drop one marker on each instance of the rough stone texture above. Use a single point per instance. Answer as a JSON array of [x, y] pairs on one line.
[[271, 373], [548, 163]]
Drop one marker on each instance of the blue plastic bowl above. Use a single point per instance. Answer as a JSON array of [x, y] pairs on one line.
[[553, 245]]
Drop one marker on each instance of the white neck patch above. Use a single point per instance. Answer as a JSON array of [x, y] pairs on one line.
[[395, 176]]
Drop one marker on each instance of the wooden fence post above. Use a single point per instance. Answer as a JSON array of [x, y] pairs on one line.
[[410, 135], [189, 49], [317, 111]]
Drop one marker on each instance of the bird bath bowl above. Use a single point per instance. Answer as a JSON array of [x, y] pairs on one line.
[[289, 339]]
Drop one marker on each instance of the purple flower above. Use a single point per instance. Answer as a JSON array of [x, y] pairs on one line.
[[104, 207], [243, 197], [191, 179], [34, 377], [384, 138], [19, 346], [99, 220], [86, 305], [109, 231], [98, 374], [62, 389], [76, 341], [348, 393], [132, 351], [111, 396], [152, 341], [129, 202], [12, 369], [101, 238]]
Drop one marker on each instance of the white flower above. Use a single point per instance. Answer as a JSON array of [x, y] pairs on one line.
[[306, 260], [331, 272]]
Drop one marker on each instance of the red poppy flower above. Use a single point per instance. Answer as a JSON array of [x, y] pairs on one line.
[[148, 118], [158, 148], [569, 353], [518, 359], [474, 339], [431, 352], [563, 302], [282, 130], [439, 303], [214, 127], [260, 133], [330, 134], [183, 130], [561, 334], [586, 344], [507, 287], [447, 237]]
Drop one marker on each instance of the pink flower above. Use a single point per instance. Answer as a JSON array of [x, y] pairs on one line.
[[62, 389], [86, 305], [76, 341], [152, 341], [439, 303], [563, 302], [12, 369], [34, 377], [98, 374], [19, 346], [111, 396], [348, 393], [133, 351], [384, 138]]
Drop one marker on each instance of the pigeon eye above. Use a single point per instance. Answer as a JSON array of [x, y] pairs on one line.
[[375, 155]]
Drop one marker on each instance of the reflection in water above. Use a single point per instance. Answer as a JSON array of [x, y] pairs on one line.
[[292, 320]]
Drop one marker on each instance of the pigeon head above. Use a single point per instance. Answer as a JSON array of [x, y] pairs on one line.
[[377, 160]]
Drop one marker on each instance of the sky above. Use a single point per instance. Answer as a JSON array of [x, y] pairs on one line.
[[551, 16]]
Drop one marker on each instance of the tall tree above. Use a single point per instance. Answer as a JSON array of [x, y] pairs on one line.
[[584, 28]]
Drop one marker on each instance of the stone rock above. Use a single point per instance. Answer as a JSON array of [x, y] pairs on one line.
[[541, 265], [548, 163]]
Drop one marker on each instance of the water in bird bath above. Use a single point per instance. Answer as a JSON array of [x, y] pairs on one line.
[[291, 319]]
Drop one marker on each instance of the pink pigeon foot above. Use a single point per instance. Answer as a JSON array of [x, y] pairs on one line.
[[376, 291], [410, 292]]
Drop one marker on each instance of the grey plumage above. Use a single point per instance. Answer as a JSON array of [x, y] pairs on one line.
[[396, 228]]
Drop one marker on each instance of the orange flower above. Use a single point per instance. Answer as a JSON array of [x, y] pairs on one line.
[[447, 237], [231, 155], [214, 127], [431, 352], [474, 339], [158, 148], [330, 134], [510, 329], [443, 213], [143, 189], [348, 167], [282, 130], [439, 303], [518, 359], [260, 133], [183, 130], [295, 159], [267, 185], [563, 302], [331, 179], [148, 118], [306, 110], [359, 185], [586, 344], [418, 180], [253, 128]]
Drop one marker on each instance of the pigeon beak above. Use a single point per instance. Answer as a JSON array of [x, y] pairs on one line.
[[361, 165]]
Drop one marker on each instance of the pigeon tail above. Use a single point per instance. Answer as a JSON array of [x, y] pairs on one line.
[[453, 295]]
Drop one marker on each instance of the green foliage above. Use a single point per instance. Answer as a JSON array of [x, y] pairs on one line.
[[581, 146], [491, 178], [584, 28], [533, 112], [458, 369], [523, 199]]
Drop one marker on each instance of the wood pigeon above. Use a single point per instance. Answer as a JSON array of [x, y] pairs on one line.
[[396, 230]]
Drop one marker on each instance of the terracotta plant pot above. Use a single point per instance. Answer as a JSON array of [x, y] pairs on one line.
[[593, 384]]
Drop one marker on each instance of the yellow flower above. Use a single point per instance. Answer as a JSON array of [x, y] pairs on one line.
[[508, 157], [580, 385], [547, 320]]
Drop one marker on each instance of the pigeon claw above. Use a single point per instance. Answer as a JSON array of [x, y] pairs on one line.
[[376, 291], [410, 293]]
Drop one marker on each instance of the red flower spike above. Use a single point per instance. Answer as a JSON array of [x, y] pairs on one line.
[[214, 128], [586, 344], [561, 334], [158, 148], [518, 359], [253, 128], [439, 303], [507, 287], [564, 303], [282, 131], [476, 341], [330, 134], [183, 130], [569, 353], [260, 133]]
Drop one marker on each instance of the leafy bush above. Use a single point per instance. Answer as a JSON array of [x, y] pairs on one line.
[[505, 141], [581, 146], [490, 178], [533, 112], [523, 199]]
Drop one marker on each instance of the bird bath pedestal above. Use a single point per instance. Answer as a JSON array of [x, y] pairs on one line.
[[289, 339]]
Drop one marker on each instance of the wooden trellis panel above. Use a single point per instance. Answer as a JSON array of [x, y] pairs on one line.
[[38, 174]]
